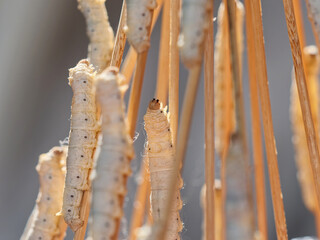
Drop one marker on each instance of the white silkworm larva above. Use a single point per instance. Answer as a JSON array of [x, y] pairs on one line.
[[112, 164], [194, 23], [161, 163], [99, 32], [82, 141], [139, 18], [43, 223], [299, 138]]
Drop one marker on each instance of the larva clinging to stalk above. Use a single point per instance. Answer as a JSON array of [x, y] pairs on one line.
[[299, 137], [139, 18], [82, 141], [99, 32], [161, 163], [43, 223], [112, 164], [195, 14]]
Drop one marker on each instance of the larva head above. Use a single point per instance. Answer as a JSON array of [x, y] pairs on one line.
[[155, 104], [311, 58], [82, 75]]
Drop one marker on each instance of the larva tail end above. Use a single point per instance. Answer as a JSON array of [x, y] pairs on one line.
[[154, 104], [75, 224]]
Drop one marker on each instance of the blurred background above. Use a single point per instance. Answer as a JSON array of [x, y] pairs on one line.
[[39, 42]]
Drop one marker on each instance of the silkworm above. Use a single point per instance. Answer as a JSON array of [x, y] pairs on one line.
[[99, 32], [112, 161], [299, 138], [194, 23], [43, 223], [82, 141], [160, 153], [139, 18]]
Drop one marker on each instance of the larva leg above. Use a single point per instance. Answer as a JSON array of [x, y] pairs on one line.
[[112, 165], [299, 138], [139, 17], [194, 23], [99, 32], [44, 224], [161, 161], [82, 142]]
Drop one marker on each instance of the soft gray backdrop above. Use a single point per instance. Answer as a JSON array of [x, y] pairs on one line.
[[40, 40]]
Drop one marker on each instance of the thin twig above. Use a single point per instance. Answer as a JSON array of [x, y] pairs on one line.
[[261, 71], [256, 131], [174, 68], [313, 25], [163, 66], [299, 19], [120, 40], [303, 95], [209, 133], [84, 215]]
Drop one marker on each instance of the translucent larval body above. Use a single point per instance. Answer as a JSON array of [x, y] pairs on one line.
[[139, 19], [82, 141], [99, 32], [194, 23], [112, 164], [161, 165], [305, 175], [43, 223]]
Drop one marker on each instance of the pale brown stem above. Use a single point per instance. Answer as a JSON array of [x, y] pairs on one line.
[[303, 95], [163, 66], [256, 131], [299, 19], [261, 71], [209, 133], [131, 57], [174, 27], [120, 40], [314, 27], [140, 202], [84, 215]]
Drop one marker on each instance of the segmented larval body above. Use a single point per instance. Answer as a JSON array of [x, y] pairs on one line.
[[161, 165], [139, 19], [82, 141], [112, 164], [43, 223], [305, 175], [99, 32], [195, 22]]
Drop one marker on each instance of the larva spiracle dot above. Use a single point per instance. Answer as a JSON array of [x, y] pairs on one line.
[[112, 160], [44, 223], [82, 141], [160, 152]]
